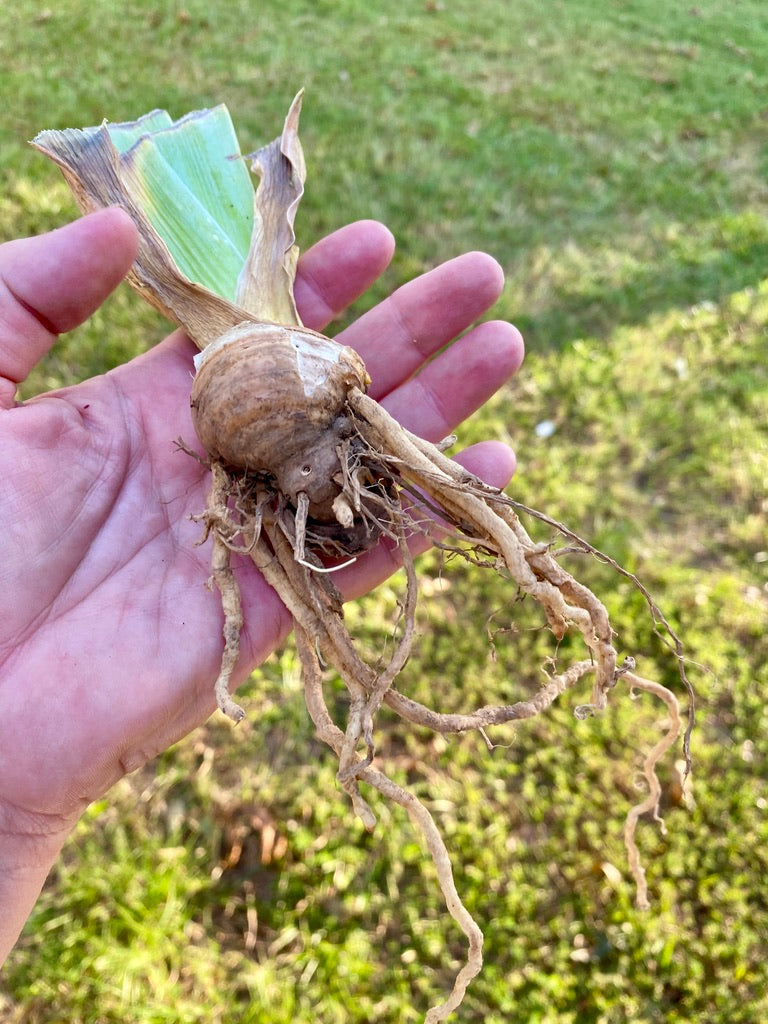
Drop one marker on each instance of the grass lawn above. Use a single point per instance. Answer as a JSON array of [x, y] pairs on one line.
[[614, 158]]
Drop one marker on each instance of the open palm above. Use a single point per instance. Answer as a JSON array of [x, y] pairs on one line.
[[109, 639]]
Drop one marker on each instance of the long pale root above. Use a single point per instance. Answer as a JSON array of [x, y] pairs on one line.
[[330, 733], [651, 801]]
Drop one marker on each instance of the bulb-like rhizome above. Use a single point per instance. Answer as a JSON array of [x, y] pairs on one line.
[[270, 404]]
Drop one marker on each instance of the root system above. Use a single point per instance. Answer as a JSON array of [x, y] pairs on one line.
[[397, 486], [308, 472]]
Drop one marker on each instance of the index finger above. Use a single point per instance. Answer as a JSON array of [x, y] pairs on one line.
[[339, 268], [52, 283], [422, 316]]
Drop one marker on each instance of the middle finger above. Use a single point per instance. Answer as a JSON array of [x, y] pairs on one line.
[[422, 316]]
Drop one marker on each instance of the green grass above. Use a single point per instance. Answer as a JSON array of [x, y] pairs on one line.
[[613, 157]]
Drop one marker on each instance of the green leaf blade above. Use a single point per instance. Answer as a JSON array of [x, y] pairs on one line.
[[195, 189], [126, 133]]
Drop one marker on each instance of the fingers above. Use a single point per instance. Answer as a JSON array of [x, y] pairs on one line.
[[492, 461], [335, 271], [405, 330], [54, 282], [460, 380], [397, 336]]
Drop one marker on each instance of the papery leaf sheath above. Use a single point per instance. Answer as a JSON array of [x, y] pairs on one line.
[[266, 283]]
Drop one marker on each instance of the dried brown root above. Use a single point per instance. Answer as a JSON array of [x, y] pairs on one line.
[[395, 485], [651, 801], [330, 734]]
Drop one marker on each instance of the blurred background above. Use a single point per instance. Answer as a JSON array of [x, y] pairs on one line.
[[613, 158]]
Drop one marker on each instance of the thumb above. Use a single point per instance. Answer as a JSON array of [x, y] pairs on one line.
[[52, 283]]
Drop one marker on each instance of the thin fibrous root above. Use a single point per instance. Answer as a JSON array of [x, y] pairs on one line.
[[492, 714]]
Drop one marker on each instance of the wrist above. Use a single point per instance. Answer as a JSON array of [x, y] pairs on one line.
[[29, 846]]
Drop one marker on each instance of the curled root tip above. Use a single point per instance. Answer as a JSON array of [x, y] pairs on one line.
[[584, 711], [651, 803], [232, 710]]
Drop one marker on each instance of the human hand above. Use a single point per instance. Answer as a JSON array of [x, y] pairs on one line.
[[109, 639]]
